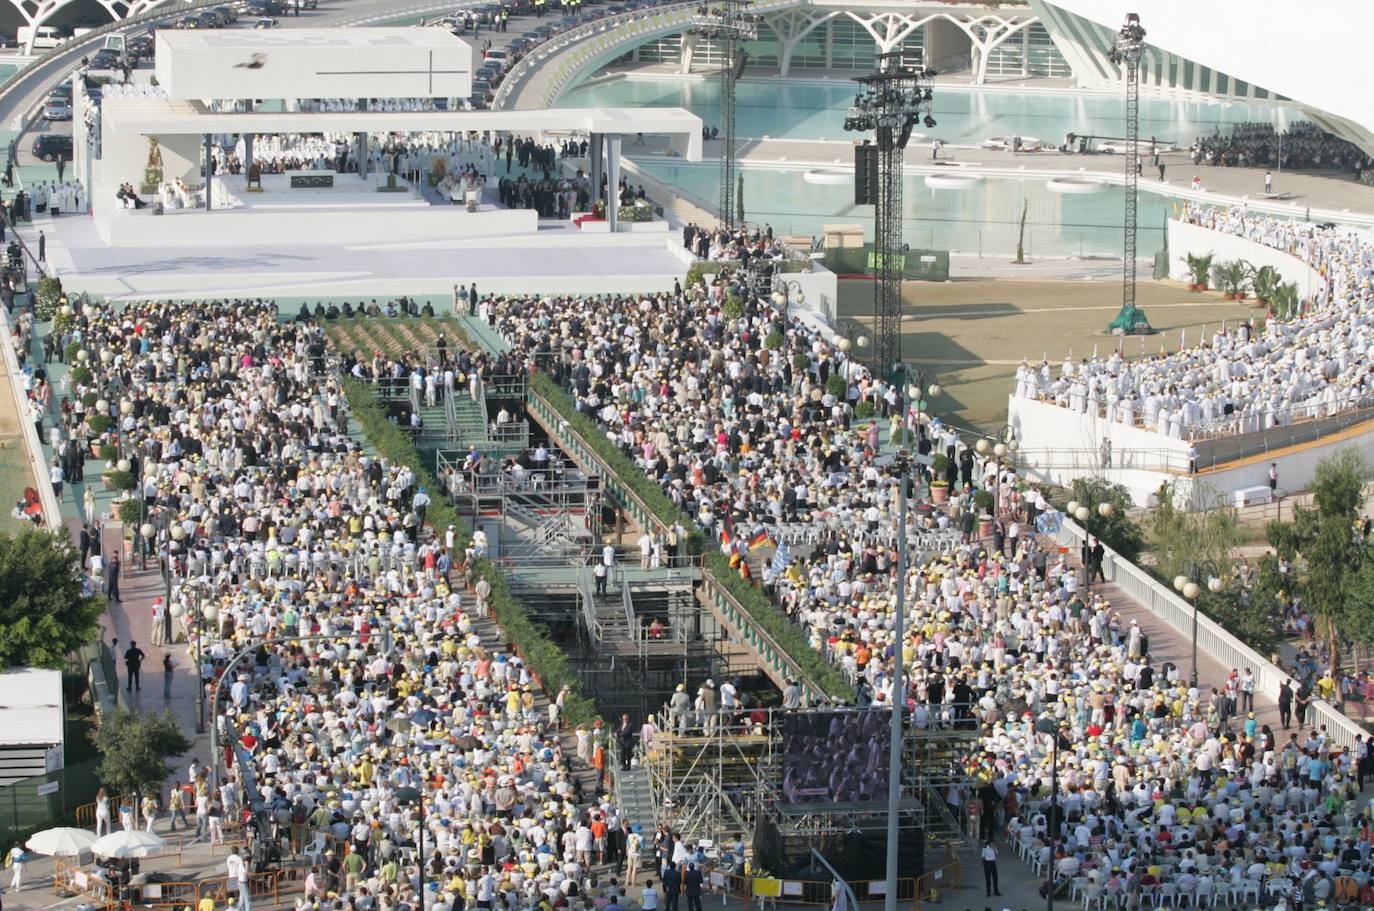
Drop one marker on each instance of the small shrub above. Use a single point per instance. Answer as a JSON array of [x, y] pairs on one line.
[[122, 480], [836, 386], [865, 410], [774, 341]]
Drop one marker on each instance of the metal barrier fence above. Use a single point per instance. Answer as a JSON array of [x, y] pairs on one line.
[[1212, 639], [46, 800], [70, 877]]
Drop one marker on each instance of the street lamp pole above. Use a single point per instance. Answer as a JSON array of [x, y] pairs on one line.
[[894, 755], [1187, 585], [785, 291], [1050, 726], [409, 795], [1084, 513]]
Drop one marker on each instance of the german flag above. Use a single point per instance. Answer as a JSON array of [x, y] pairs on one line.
[[725, 538], [759, 540]]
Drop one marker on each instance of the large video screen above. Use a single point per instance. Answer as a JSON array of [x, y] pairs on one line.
[[835, 756]]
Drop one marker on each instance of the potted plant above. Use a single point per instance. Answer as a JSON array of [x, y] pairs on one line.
[[865, 410], [985, 504], [1199, 267], [1284, 302], [836, 386], [118, 480], [1264, 281], [1231, 276], [939, 487]]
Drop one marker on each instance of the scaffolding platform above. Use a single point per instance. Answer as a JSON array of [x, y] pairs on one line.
[[728, 778]]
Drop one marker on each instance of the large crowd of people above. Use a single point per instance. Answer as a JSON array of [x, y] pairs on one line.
[[1313, 365], [1304, 146], [362, 668], [1161, 780], [749, 419]]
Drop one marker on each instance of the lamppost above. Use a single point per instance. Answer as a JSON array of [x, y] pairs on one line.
[[919, 383], [1084, 513], [894, 756], [1187, 585], [1002, 445], [785, 291], [1050, 727], [204, 611], [406, 795], [854, 338]]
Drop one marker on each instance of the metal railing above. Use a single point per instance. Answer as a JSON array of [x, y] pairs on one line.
[[1213, 640]]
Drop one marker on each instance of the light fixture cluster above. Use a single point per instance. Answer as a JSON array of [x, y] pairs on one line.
[[1130, 42], [891, 102]]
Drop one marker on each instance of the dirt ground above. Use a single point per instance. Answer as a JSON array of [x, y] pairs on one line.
[[973, 333]]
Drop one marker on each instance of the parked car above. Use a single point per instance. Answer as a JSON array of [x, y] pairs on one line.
[[51, 147], [57, 109], [105, 59], [265, 22]]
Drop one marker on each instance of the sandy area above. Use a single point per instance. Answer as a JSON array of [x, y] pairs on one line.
[[973, 333]]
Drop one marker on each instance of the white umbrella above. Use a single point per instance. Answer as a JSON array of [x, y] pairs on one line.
[[62, 841], [127, 843]]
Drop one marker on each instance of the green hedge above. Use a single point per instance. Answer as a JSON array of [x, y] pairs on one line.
[[787, 634], [544, 657], [621, 465], [768, 615]]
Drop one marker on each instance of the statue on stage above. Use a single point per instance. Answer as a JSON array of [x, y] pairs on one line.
[[152, 171], [1130, 321]]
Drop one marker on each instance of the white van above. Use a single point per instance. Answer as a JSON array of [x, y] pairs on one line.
[[45, 37]]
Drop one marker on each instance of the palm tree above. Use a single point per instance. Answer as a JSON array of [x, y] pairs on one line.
[[1231, 276], [1200, 267]]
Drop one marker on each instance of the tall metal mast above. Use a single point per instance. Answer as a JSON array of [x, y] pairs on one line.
[[1130, 44], [890, 102], [725, 24]]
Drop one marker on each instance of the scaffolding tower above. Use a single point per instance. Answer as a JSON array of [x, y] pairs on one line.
[[725, 23], [549, 513], [726, 777], [1127, 51]]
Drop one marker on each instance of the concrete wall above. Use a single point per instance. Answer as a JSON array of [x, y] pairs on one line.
[[1185, 238], [1058, 446]]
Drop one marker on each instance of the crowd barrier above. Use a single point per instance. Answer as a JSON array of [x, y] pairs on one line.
[[78, 879]]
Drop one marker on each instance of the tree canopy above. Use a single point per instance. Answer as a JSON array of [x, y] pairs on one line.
[[1335, 582], [135, 748], [43, 613]]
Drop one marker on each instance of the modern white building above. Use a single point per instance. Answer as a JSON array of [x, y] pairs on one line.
[[32, 723], [1263, 50]]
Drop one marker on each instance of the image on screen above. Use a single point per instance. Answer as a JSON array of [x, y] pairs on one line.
[[835, 756]]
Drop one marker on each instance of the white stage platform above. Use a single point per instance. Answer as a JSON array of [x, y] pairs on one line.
[[351, 212], [551, 257]]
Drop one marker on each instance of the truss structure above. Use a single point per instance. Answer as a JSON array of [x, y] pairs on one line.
[[724, 23], [726, 777], [550, 512], [1130, 45]]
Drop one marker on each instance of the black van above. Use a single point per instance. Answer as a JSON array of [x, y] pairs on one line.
[[52, 146]]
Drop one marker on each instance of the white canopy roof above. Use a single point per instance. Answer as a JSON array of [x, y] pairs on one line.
[[30, 707]]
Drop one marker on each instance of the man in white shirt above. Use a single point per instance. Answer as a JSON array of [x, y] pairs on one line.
[[236, 871]]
